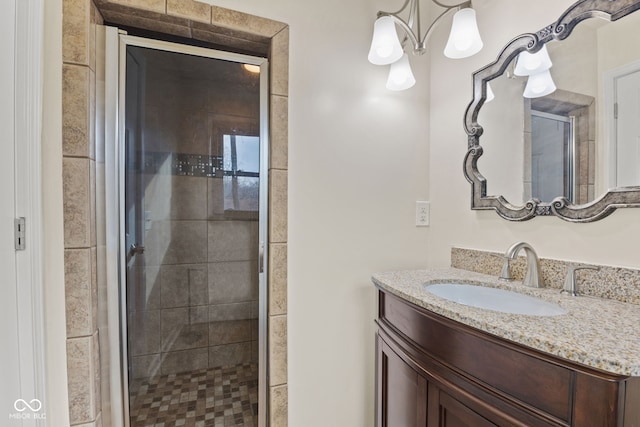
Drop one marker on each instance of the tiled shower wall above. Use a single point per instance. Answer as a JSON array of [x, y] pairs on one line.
[[183, 18], [79, 166], [198, 307], [195, 305]]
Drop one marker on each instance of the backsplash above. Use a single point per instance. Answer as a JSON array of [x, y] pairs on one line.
[[621, 284]]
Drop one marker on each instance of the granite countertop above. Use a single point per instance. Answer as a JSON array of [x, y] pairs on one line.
[[600, 333]]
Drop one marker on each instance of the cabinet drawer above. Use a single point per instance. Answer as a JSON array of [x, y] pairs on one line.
[[540, 383]]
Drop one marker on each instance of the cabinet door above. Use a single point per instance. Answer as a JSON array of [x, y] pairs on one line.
[[445, 411], [401, 393]]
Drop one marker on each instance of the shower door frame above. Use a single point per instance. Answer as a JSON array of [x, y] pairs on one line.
[[116, 42]]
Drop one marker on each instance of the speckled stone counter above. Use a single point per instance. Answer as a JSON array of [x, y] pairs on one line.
[[600, 333]]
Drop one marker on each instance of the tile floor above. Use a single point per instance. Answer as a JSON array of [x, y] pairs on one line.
[[216, 397]]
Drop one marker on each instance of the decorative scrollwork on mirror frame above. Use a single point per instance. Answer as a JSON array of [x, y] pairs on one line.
[[560, 206]]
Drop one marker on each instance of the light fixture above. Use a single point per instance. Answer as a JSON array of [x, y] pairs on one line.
[[464, 39], [532, 63], [539, 84], [252, 68], [537, 67], [400, 75], [386, 47]]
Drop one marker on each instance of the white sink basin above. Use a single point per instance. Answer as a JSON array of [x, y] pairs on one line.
[[495, 299]]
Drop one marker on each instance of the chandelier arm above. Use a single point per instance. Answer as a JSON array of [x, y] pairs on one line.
[[420, 45], [423, 42], [415, 11], [447, 6], [407, 29], [404, 6]]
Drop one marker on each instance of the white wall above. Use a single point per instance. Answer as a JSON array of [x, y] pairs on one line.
[[611, 241]]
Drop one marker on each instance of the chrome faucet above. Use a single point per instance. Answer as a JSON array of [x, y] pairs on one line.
[[532, 276]]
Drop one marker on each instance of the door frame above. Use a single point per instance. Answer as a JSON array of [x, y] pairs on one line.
[[115, 73], [27, 116], [611, 128]]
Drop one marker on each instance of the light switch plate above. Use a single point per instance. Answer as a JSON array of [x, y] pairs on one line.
[[423, 210]]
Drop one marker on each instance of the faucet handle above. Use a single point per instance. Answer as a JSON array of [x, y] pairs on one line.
[[570, 279], [505, 273]]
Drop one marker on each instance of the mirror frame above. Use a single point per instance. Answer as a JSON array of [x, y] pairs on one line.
[[603, 206]]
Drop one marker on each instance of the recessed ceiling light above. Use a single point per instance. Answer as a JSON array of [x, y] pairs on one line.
[[252, 68]]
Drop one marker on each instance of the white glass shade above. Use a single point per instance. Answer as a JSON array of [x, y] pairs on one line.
[[385, 46], [490, 94], [464, 39], [400, 75], [529, 64], [538, 85]]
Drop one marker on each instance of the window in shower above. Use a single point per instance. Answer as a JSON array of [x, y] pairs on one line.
[[241, 154]]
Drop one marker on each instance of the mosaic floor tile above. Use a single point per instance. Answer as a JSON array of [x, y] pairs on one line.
[[217, 397]]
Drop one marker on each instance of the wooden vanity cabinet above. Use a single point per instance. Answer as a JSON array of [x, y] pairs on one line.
[[435, 372]]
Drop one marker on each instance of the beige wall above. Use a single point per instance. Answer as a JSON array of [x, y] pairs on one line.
[[610, 241]]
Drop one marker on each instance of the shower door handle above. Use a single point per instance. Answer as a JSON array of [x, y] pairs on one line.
[[134, 249], [261, 258]]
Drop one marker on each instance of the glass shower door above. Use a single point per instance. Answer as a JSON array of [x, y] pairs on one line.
[[552, 156], [193, 166]]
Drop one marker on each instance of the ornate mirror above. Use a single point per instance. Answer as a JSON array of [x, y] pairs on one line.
[[559, 117]]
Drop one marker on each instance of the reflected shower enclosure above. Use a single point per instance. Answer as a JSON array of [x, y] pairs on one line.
[[192, 222]]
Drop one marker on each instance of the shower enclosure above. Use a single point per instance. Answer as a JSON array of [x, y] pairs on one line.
[[552, 156], [190, 164]]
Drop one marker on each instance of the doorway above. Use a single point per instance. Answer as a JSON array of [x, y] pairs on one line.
[[552, 156], [627, 136], [192, 164]]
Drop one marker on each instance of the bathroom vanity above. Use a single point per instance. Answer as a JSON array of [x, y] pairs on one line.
[[440, 363]]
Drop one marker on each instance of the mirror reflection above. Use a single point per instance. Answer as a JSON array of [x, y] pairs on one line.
[[581, 138]]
